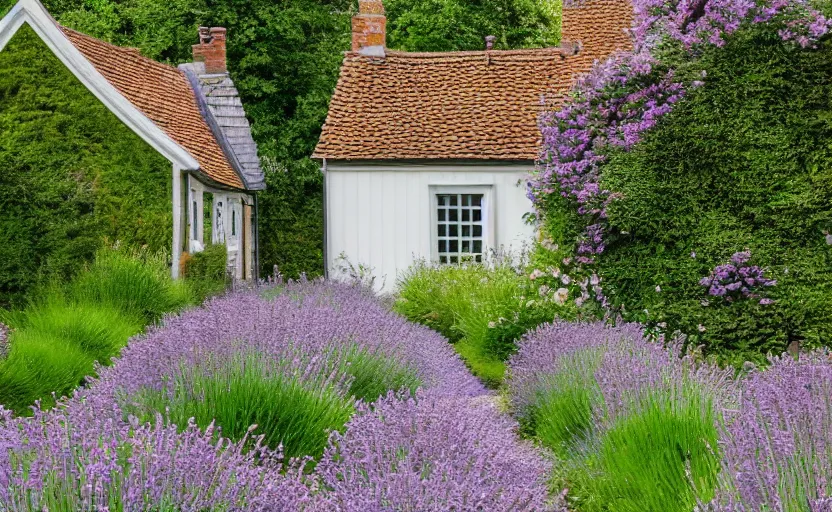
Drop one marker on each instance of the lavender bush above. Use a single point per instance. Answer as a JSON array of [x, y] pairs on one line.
[[433, 453], [777, 445], [619, 411], [73, 459]]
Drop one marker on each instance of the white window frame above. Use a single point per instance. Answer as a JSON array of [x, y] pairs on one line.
[[488, 215]]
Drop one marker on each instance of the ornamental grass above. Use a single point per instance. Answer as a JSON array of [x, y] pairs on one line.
[[633, 425]]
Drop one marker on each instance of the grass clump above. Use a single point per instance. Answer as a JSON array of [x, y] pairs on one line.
[[290, 405], [56, 340], [373, 374], [136, 283], [661, 458], [482, 308], [288, 409], [566, 405]]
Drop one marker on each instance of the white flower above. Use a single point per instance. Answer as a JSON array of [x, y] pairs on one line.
[[543, 290], [658, 289], [701, 328], [534, 275], [561, 295], [705, 303], [556, 273], [579, 301], [594, 280], [693, 254], [662, 325], [565, 279], [491, 325], [828, 239]]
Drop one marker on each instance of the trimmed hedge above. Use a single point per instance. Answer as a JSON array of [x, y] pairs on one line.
[[743, 162], [72, 174]]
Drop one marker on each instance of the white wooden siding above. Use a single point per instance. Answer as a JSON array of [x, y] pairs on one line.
[[381, 216]]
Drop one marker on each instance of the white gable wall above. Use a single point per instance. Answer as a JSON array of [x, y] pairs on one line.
[[381, 216]]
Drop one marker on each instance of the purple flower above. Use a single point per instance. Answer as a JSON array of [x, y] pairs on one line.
[[433, 453]]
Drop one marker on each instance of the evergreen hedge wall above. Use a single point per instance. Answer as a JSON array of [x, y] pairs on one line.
[[72, 176], [745, 161]]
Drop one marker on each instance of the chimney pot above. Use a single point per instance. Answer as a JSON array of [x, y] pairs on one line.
[[489, 42], [369, 28], [211, 50]]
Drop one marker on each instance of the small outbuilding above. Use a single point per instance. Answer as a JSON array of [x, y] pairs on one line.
[[425, 155], [191, 115]]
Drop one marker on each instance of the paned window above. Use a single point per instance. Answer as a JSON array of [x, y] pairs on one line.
[[460, 227]]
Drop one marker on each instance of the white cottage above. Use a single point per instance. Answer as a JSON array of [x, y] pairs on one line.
[[425, 155], [191, 115]]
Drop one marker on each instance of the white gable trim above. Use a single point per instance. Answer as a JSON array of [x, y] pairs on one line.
[[35, 14]]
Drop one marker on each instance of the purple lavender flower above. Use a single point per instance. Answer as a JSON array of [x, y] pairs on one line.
[[777, 443], [73, 459], [432, 453]]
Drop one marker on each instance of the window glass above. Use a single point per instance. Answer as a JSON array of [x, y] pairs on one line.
[[459, 227]]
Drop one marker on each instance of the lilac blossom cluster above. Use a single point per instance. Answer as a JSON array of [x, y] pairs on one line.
[[433, 453], [626, 366], [74, 459], [738, 280], [777, 445], [626, 95], [699, 22]]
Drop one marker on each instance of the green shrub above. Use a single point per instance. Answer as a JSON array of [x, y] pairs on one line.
[[38, 365], [72, 174], [742, 162], [136, 283], [206, 272], [662, 458], [98, 331], [482, 308], [54, 347], [247, 391]]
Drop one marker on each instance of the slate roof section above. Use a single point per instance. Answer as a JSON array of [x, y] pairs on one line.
[[164, 95], [479, 105], [231, 127]]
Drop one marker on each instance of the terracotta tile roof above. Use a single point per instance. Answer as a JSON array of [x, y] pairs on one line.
[[600, 25], [163, 94], [463, 105]]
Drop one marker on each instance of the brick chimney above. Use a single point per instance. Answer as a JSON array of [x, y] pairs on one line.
[[211, 50], [369, 28]]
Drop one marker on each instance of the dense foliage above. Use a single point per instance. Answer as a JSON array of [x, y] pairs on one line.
[[73, 174], [483, 309], [709, 141]]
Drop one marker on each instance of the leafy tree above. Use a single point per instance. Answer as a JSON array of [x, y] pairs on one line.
[[448, 25]]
